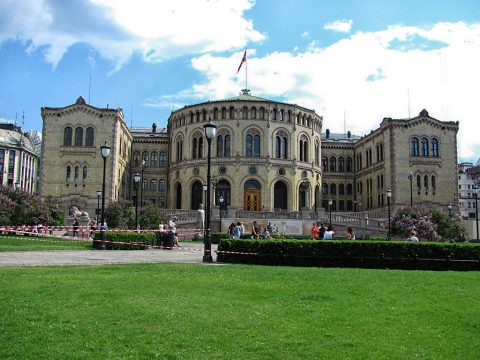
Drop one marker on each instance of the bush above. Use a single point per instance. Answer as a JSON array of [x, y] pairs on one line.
[[129, 240], [362, 254], [120, 215], [150, 217], [22, 208], [56, 210]]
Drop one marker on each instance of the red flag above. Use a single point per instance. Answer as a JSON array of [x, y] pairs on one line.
[[244, 59]]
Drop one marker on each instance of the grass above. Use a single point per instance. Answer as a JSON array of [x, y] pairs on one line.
[[190, 311], [23, 243]]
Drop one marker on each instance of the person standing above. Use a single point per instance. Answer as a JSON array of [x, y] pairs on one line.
[[75, 227], [254, 230], [413, 236], [329, 234], [314, 231], [321, 231]]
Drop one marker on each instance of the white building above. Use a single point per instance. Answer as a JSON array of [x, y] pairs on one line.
[[466, 191]]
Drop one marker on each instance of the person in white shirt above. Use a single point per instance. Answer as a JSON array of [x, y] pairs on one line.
[[413, 236], [329, 234]]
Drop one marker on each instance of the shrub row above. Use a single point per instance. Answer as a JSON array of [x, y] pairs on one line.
[[129, 240], [347, 253]]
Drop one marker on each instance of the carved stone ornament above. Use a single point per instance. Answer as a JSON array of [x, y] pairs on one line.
[[80, 101]]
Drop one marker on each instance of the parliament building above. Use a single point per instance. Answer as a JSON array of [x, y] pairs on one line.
[[266, 156]]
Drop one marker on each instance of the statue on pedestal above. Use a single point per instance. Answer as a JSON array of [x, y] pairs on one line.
[[200, 226]]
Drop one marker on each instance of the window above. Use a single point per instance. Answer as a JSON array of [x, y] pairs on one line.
[[425, 183], [252, 146], [179, 149], [67, 136], [333, 164], [341, 189], [223, 143], [281, 143], [232, 113], [414, 147], [419, 183], [90, 137], [79, 136], [153, 185], [136, 159], [77, 173], [145, 184], [145, 158], [349, 164], [324, 163], [215, 114], [303, 148], [253, 112], [262, 113], [85, 173], [341, 164], [163, 159], [317, 152], [69, 172], [434, 147], [434, 184], [324, 189], [245, 112], [153, 159], [424, 146], [224, 113], [333, 189], [197, 146], [161, 185], [349, 189]]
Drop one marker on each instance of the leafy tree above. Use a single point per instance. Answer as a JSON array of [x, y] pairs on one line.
[[150, 216], [7, 207], [28, 209], [56, 210], [120, 214]]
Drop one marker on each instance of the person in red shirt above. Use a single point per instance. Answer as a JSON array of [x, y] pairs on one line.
[[314, 231]]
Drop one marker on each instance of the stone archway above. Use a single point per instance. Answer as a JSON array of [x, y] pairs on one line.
[[252, 195], [280, 196]]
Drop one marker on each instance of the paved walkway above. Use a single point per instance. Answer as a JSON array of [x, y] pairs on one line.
[[190, 254]]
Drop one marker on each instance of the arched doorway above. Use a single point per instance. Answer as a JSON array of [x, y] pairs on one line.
[[223, 189], [303, 192], [252, 196], [178, 197], [280, 196], [196, 195]]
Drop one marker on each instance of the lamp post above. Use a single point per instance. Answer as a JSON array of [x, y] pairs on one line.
[[389, 195], [450, 207], [141, 191], [105, 151], [475, 194], [210, 131], [410, 177], [205, 187], [136, 180], [330, 203], [97, 211], [220, 200]]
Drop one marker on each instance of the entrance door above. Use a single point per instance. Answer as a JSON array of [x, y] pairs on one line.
[[252, 200]]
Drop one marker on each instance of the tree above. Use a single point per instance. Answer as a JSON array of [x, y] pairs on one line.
[[27, 209], [56, 210], [120, 214], [150, 216], [7, 207]]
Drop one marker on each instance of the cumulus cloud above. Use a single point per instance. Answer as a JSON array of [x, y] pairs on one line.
[[339, 25], [117, 29], [366, 78]]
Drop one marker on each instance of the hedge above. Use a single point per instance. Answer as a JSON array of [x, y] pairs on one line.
[[347, 253], [131, 240]]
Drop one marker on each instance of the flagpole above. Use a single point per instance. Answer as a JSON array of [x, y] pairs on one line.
[[246, 70]]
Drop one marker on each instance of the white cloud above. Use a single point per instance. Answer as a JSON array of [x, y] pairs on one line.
[[367, 77], [339, 25], [116, 29], [305, 34]]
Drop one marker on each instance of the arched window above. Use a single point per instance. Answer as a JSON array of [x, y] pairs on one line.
[[245, 112], [281, 115], [424, 147], [341, 189], [281, 144], [414, 147], [194, 147], [136, 159], [425, 183], [325, 164], [262, 113], [197, 145], [77, 173], [434, 147], [252, 143], [79, 136], [303, 148], [232, 113], [317, 152], [324, 189], [419, 184], [85, 174], [90, 137], [224, 113], [145, 185], [349, 189], [67, 136], [253, 112], [153, 159], [434, 184], [220, 145], [161, 185], [349, 164], [69, 173], [215, 114], [333, 189], [179, 149], [341, 164], [145, 159], [333, 164], [153, 185], [163, 159], [223, 143]]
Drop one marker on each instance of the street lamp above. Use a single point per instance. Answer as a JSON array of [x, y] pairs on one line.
[[141, 191], [220, 200], [330, 203], [450, 207], [410, 177], [105, 151], [475, 194], [389, 195], [97, 211], [210, 131], [136, 180], [205, 187]]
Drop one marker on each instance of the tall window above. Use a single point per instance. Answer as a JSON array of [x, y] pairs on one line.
[[341, 164], [349, 189], [324, 189], [163, 159], [67, 136], [79, 136], [434, 147], [317, 152], [281, 145], [414, 147], [262, 113], [434, 184], [349, 164], [425, 183], [85, 174], [68, 174], [333, 189], [424, 147], [179, 149], [136, 159], [245, 112], [253, 112], [145, 158], [90, 137], [232, 113], [161, 185], [224, 113], [303, 148], [77, 173], [145, 184], [153, 185], [197, 146], [324, 163], [333, 164], [252, 143], [419, 184], [223, 143], [153, 159], [341, 189]]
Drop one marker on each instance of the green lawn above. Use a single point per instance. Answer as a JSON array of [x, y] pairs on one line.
[[193, 311], [21, 243]]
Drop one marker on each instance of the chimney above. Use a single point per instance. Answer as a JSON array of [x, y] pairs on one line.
[[327, 133], [154, 127]]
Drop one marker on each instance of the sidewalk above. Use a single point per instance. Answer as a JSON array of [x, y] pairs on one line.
[[188, 253]]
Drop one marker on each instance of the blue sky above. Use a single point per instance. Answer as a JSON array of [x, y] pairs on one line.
[[354, 62]]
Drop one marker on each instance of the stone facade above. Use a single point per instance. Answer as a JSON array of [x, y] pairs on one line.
[[266, 155]]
